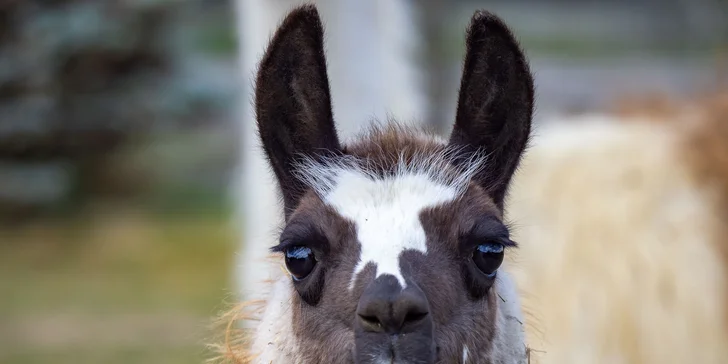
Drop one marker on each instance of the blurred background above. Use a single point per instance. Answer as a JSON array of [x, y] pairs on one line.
[[123, 127]]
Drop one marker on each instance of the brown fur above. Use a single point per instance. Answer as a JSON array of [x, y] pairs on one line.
[[443, 223]]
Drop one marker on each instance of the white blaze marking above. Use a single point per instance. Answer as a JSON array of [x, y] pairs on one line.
[[386, 213], [465, 354]]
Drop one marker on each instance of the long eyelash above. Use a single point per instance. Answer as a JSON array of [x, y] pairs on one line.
[[283, 246], [314, 244], [508, 243]]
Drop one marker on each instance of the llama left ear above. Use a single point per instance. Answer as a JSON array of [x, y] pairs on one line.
[[293, 101], [495, 103]]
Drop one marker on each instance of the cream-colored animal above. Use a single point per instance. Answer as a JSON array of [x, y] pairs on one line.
[[622, 233]]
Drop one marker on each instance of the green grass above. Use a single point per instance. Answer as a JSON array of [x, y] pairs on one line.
[[112, 289]]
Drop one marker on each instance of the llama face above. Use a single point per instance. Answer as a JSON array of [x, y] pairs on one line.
[[394, 243]]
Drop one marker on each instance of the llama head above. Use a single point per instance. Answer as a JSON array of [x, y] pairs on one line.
[[394, 242]]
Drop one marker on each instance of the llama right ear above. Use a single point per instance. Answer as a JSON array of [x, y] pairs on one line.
[[495, 104], [292, 100]]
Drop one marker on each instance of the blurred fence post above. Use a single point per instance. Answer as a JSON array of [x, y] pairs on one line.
[[371, 48]]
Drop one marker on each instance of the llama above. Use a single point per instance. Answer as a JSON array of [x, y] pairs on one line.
[[394, 246], [623, 240]]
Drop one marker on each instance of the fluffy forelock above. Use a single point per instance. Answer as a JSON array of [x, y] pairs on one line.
[[391, 151]]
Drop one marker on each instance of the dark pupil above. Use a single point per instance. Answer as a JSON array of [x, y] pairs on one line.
[[488, 257], [300, 261]]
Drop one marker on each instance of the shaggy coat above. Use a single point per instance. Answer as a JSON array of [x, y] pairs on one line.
[[623, 233]]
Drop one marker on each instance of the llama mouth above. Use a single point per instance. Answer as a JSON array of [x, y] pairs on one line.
[[395, 349]]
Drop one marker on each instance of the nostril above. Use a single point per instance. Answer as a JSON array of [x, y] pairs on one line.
[[370, 319], [385, 307], [414, 317], [392, 321], [370, 323]]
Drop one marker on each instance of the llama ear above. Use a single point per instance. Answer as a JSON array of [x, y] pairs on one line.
[[495, 103], [292, 100]]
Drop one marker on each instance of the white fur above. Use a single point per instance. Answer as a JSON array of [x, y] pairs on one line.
[[386, 210], [274, 340], [509, 342], [437, 167], [386, 213]]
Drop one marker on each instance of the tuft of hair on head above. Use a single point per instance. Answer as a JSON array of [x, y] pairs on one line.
[[401, 152]]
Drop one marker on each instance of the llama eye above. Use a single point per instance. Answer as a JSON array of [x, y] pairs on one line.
[[300, 261], [488, 258]]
